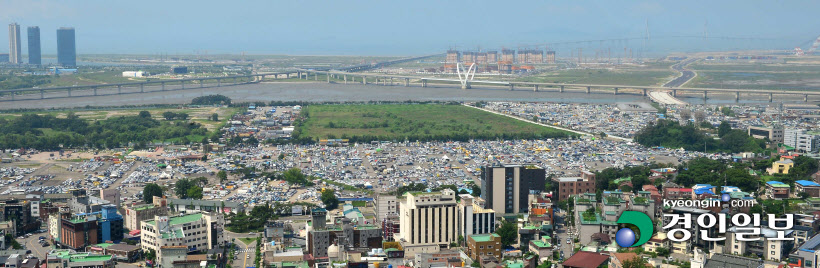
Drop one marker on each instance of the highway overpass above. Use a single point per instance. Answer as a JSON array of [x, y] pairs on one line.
[[382, 79]]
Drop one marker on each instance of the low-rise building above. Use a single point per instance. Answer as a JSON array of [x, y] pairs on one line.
[[191, 206], [658, 241], [807, 255], [198, 231], [438, 259], [570, 186], [616, 260], [64, 258], [542, 247], [78, 232], [809, 187], [321, 236], [120, 252], [777, 190], [584, 259], [134, 215], [480, 245], [766, 247]]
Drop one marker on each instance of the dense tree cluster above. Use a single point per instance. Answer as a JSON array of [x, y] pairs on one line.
[[47, 132], [253, 221], [190, 188], [211, 100], [605, 179], [149, 191], [671, 134], [715, 172], [17, 82], [172, 115], [413, 187], [508, 233], [329, 199]]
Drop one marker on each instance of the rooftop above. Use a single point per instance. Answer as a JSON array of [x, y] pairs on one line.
[[584, 259], [541, 244], [484, 237], [179, 219], [805, 183]]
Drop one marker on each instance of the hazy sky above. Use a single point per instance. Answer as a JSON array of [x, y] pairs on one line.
[[386, 27]]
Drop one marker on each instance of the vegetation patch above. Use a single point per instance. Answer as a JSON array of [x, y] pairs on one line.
[[413, 122]]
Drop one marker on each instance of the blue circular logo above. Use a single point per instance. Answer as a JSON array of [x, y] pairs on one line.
[[625, 237], [725, 197]]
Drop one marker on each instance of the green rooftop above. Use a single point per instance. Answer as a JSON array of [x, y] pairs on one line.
[[541, 244], [179, 219], [143, 207], [103, 245], [484, 237], [514, 264], [173, 234], [90, 258]]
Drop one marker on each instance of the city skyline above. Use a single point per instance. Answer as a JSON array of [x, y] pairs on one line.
[[375, 28]]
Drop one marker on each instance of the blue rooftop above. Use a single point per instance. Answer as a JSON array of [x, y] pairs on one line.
[[807, 183], [773, 182], [700, 189]]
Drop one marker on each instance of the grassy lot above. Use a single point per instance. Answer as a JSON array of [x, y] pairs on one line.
[[754, 67], [201, 115], [359, 204], [757, 80], [636, 77], [413, 122]]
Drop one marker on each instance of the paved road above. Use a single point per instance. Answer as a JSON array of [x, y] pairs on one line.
[[562, 233], [685, 76], [245, 253]]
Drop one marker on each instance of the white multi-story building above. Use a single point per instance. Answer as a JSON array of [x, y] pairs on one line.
[[473, 218], [428, 221], [800, 139], [196, 231], [766, 247]]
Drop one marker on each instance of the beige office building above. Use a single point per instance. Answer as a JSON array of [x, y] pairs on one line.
[[428, 221]]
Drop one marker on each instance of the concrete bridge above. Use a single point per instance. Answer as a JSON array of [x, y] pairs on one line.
[[384, 79], [379, 79]]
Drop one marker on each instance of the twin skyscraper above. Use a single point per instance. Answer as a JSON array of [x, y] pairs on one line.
[[66, 46]]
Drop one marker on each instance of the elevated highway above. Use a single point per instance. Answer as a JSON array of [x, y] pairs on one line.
[[382, 79]]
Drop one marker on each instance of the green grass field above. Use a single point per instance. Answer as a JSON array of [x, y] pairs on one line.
[[423, 122], [636, 77], [757, 80]]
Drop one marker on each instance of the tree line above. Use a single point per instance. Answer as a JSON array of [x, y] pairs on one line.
[[669, 133], [47, 132], [211, 100]]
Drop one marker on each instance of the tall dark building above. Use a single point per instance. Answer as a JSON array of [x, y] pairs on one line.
[[66, 47], [506, 188], [34, 45]]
